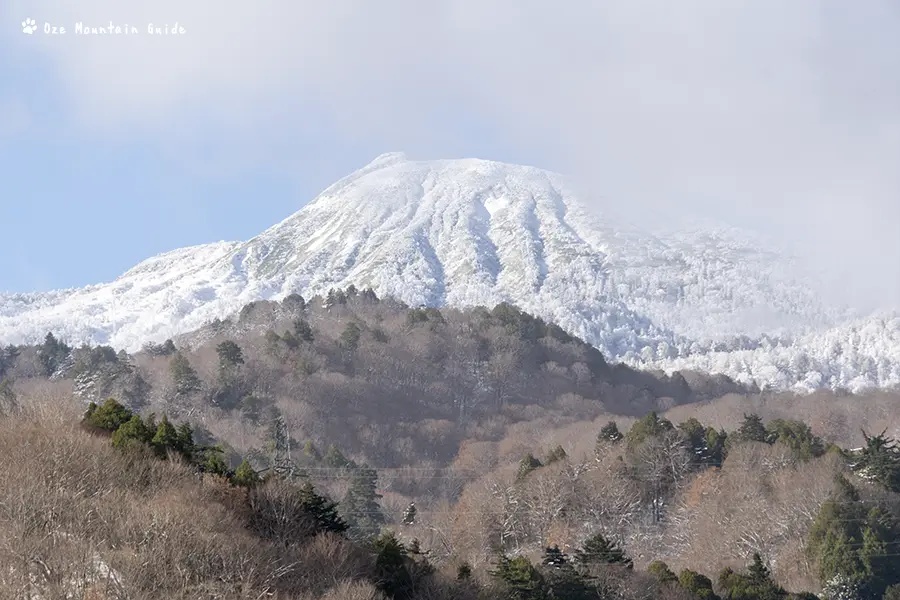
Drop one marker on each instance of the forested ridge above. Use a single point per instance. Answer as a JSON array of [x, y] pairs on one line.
[[350, 446]]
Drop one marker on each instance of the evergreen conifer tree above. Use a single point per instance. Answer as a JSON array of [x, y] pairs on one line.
[[597, 549], [230, 355], [563, 581], [303, 330], [183, 374], [521, 578], [166, 437], [752, 429], [109, 417], [391, 572], [184, 443], [245, 475], [880, 461], [350, 336], [610, 433], [335, 459], [51, 354], [322, 510], [360, 507], [131, 433]]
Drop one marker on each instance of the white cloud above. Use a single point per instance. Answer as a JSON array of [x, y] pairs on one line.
[[785, 115]]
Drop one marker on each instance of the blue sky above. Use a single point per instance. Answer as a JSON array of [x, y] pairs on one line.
[[781, 117], [81, 208]]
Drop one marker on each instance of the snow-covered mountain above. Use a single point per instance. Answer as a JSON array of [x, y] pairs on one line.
[[474, 232]]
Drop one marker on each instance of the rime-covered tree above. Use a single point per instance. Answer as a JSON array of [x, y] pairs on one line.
[[409, 515]]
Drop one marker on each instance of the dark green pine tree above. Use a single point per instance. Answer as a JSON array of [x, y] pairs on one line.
[[294, 302], [230, 355], [360, 507], [323, 510], [758, 573], [756, 584], [610, 433], [350, 336], [133, 432], [391, 573], [562, 580], [523, 581], [184, 443], [598, 550], [661, 572], [716, 442], [51, 354], [290, 340], [108, 417], [303, 330], [880, 461], [335, 459], [650, 426], [554, 557], [211, 461], [184, 377], [166, 437], [698, 584], [245, 475], [753, 430], [695, 433]]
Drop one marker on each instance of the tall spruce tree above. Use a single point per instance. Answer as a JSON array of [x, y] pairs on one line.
[[360, 506], [322, 510]]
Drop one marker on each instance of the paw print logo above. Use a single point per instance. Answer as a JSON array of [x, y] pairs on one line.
[[29, 26]]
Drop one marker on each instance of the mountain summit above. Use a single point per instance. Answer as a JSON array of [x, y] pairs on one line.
[[474, 232]]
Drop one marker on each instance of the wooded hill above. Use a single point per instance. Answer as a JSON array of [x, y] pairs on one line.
[[486, 439]]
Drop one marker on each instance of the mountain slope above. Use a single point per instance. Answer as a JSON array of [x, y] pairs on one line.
[[470, 232]]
